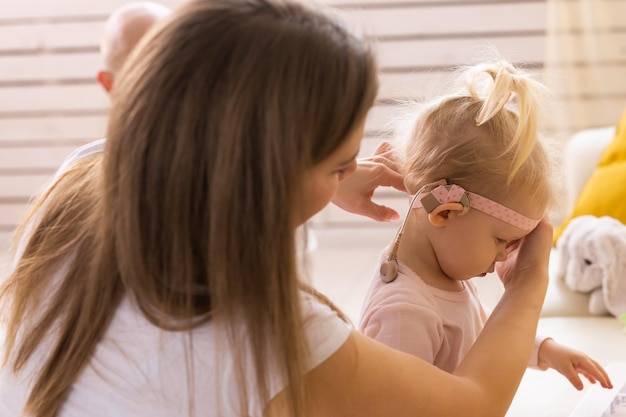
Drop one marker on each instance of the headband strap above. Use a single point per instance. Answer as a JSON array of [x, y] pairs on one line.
[[453, 193]]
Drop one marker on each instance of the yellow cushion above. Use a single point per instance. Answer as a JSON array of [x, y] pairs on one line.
[[604, 194]]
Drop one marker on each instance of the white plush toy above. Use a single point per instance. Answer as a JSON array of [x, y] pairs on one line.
[[592, 254]]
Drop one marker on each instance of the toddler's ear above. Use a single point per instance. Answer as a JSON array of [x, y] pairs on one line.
[[440, 214]]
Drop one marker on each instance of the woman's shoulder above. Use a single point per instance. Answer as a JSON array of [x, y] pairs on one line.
[[324, 330], [138, 362]]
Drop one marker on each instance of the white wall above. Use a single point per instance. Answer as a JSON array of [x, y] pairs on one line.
[[50, 102]]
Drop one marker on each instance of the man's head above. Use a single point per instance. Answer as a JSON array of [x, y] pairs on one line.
[[122, 32]]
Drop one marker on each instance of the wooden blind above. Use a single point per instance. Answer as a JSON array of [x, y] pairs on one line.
[[50, 102]]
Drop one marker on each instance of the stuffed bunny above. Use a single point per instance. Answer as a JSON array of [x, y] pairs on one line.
[[593, 260]]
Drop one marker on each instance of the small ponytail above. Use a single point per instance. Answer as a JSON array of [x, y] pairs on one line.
[[508, 83]]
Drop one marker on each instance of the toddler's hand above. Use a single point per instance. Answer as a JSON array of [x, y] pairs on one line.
[[356, 191], [570, 363]]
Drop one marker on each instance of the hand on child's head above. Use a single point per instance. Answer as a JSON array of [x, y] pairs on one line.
[[355, 193], [527, 255]]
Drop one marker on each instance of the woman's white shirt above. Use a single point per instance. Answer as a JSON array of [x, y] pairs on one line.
[[141, 369]]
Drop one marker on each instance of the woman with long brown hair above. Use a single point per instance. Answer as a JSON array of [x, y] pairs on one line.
[[177, 291]]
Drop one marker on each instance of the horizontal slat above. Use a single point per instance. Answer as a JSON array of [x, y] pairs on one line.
[[45, 36], [391, 19], [53, 129], [399, 21], [5, 245], [53, 98], [12, 215], [31, 9], [49, 67], [459, 19], [21, 187], [63, 8], [426, 16], [26, 158], [385, 4], [455, 52]]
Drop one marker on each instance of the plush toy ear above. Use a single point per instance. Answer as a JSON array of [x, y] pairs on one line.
[[613, 245], [562, 247], [576, 266], [597, 305]]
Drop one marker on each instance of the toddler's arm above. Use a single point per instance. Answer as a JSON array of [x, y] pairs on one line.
[[570, 363], [368, 379]]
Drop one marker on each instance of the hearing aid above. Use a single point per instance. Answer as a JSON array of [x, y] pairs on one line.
[[433, 207], [389, 267], [389, 270]]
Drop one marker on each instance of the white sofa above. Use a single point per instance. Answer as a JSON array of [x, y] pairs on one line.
[[565, 315]]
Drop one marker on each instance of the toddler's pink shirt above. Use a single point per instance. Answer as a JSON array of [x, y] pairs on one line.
[[436, 325]]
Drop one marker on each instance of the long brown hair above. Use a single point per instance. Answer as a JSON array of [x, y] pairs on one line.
[[215, 118]]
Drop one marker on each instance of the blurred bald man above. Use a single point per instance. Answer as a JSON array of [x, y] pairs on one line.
[[122, 32]]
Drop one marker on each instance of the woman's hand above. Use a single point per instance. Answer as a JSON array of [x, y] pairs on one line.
[[529, 256], [356, 191]]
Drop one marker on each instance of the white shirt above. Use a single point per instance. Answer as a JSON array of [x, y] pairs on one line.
[[139, 369]]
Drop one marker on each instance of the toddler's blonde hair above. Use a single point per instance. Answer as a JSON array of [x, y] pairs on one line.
[[485, 137]]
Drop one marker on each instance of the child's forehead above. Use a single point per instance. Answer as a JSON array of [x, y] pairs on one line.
[[507, 231], [521, 196], [530, 208], [523, 203]]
